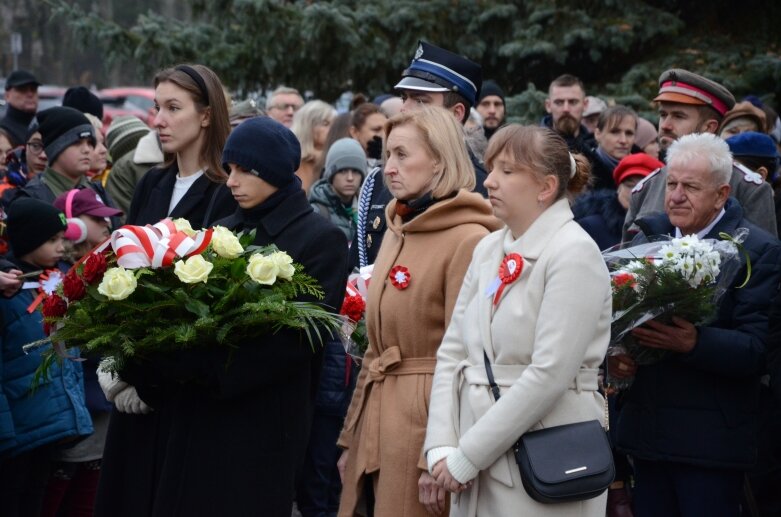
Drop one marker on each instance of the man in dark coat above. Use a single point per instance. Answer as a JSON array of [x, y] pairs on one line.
[[689, 421], [21, 94], [565, 105], [436, 77], [239, 418]]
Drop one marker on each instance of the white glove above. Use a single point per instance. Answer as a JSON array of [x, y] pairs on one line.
[[110, 383], [122, 394], [128, 401]]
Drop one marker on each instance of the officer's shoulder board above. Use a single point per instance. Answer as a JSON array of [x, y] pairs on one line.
[[642, 182], [749, 176]]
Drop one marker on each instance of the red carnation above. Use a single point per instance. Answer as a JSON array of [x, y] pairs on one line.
[[94, 267], [624, 278], [54, 306], [73, 286], [353, 307]]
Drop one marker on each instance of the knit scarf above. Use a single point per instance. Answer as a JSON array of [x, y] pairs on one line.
[[608, 160]]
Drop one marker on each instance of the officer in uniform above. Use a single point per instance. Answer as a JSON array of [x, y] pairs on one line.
[[684, 94], [437, 77]]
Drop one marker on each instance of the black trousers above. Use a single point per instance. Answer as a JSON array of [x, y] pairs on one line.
[[680, 490]]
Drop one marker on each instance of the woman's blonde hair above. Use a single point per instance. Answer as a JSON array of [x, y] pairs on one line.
[[443, 138], [544, 152], [311, 114]]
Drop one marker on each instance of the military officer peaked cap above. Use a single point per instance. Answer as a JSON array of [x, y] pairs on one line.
[[435, 69], [686, 87]]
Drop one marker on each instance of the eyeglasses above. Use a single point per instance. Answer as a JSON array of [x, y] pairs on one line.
[[35, 147], [285, 107]]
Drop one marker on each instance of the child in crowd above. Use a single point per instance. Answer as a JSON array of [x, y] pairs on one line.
[[73, 482], [33, 422], [69, 141], [335, 196]]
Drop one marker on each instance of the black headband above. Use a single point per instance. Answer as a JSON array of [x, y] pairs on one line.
[[195, 76]]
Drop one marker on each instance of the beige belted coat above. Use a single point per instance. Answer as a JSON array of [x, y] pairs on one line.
[[386, 421], [545, 339]]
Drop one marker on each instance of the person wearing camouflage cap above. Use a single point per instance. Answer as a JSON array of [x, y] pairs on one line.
[[690, 103]]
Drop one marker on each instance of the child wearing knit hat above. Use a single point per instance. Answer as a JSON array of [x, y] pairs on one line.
[[335, 196], [33, 423]]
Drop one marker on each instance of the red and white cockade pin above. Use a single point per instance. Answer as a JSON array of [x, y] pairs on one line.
[[509, 271], [399, 277]]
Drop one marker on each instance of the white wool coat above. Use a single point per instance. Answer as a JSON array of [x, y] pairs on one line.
[[546, 339]]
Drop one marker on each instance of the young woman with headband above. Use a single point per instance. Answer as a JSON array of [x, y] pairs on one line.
[[193, 124]]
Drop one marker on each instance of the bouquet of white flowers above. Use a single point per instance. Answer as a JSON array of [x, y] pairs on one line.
[[684, 277]]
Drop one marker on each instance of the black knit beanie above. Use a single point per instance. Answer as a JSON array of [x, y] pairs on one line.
[[490, 88], [80, 98], [266, 148], [61, 127], [30, 223]]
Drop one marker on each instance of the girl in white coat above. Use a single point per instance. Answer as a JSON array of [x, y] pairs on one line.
[[537, 300]]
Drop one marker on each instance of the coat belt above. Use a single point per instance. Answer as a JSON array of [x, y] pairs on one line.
[[389, 363]]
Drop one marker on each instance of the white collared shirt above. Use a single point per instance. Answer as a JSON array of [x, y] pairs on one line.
[[701, 234]]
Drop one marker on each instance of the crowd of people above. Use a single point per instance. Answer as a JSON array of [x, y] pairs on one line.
[[488, 316]]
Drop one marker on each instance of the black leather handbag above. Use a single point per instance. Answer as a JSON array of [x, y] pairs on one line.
[[571, 462]]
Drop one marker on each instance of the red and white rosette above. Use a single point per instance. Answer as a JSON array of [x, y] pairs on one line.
[[509, 271], [400, 277], [47, 283], [154, 246]]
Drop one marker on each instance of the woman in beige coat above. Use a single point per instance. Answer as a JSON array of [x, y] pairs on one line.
[[434, 224], [545, 330]]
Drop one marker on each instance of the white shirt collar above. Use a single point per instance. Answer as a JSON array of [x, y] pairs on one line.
[[701, 234]]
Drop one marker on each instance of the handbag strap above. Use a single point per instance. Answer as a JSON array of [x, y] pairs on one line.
[[490, 374], [495, 389]]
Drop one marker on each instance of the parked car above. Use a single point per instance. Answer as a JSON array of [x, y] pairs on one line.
[[136, 101], [50, 96]]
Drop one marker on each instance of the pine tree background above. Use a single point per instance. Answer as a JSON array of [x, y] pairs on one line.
[[617, 47]]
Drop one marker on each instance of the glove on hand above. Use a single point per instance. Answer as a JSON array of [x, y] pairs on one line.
[[128, 401], [110, 383]]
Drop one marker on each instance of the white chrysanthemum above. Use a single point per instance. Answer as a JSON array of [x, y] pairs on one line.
[[669, 253]]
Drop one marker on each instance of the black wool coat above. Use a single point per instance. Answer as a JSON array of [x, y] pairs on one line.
[[238, 422], [204, 202], [135, 444]]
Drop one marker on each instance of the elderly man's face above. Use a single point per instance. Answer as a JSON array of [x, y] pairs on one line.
[[693, 198]]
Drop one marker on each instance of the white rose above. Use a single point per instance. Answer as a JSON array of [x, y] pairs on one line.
[[225, 243], [183, 225], [118, 283], [193, 270], [284, 263], [262, 269]]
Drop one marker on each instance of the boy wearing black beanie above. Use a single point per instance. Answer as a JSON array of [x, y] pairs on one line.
[[33, 421], [68, 139]]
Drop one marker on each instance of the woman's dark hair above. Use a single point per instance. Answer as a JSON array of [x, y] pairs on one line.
[[216, 133], [544, 152], [755, 162], [361, 113], [613, 116]]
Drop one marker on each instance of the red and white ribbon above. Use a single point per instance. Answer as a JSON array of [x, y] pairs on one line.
[[154, 246]]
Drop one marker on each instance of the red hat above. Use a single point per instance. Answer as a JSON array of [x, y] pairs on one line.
[[85, 201], [639, 164]]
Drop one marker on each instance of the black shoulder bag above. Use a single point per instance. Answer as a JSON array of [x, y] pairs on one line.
[[564, 463]]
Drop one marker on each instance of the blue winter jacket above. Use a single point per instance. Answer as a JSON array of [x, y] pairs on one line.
[[55, 410], [701, 407]]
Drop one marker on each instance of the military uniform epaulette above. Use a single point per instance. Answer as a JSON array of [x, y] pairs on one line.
[[642, 182], [749, 176]]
